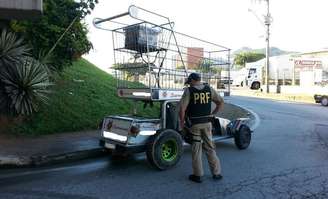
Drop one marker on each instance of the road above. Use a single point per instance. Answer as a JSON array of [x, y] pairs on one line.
[[288, 158]]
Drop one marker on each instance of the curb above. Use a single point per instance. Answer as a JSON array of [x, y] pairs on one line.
[[43, 160], [14, 161]]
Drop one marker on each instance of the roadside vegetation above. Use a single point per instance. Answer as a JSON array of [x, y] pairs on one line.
[[82, 96], [34, 59], [24, 80], [242, 58]]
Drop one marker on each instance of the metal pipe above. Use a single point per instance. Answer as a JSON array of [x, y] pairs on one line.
[[293, 74], [151, 12], [229, 72], [267, 62], [176, 41], [110, 18]]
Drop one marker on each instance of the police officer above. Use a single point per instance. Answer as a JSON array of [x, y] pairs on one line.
[[195, 104]]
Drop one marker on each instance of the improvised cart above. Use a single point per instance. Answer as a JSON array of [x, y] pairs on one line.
[[149, 52]]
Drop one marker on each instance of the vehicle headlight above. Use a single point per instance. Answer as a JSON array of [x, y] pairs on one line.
[[115, 137], [134, 129]]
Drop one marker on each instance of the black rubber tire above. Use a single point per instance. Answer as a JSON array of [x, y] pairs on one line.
[[243, 137], [256, 86], [324, 101], [242, 84], [154, 151]]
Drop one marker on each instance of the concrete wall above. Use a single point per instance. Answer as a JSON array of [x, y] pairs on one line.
[[297, 90], [20, 9], [310, 90]]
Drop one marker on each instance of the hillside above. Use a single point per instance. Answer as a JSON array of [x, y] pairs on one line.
[[274, 51], [81, 97]]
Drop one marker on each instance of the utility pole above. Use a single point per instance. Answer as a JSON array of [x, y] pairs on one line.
[[267, 23]]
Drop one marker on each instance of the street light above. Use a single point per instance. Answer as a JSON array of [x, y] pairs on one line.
[[267, 22]]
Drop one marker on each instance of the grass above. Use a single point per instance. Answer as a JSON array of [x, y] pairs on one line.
[[82, 96]]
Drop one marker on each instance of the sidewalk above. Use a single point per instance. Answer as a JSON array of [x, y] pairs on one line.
[[26, 152], [300, 98]]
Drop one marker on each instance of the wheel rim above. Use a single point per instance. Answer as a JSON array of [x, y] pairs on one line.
[[324, 101], [169, 150]]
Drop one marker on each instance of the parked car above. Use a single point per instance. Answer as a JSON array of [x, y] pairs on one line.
[[323, 99]]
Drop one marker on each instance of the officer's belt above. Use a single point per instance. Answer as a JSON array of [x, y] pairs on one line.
[[200, 120]]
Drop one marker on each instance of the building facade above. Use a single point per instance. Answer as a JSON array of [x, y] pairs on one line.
[[20, 9]]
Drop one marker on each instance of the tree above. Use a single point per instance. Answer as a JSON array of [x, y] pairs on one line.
[[247, 57], [43, 33]]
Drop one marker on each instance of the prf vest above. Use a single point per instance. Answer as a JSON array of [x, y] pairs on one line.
[[200, 104]]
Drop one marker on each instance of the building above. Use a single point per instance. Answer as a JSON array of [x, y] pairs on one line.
[[303, 73], [191, 57], [317, 53], [195, 57], [19, 9]]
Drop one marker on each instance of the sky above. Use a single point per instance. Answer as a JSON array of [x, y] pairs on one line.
[[298, 25]]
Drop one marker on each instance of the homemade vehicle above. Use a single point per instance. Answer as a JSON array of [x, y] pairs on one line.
[[158, 59]]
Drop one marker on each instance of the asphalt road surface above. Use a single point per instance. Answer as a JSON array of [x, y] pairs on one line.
[[288, 158]]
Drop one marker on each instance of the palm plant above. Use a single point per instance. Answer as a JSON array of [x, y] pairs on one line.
[[12, 49], [24, 81]]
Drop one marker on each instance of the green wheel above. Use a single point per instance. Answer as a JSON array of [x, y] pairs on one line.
[[165, 149], [169, 150]]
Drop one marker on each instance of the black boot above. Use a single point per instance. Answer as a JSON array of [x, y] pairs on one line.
[[217, 177], [195, 178]]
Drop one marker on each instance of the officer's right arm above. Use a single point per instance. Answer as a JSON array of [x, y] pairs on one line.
[[218, 100]]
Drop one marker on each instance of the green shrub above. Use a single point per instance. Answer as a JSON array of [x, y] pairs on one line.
[[25, 86], [12, 49], [24, 81]]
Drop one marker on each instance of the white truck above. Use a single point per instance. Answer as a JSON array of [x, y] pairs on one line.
[[254, 76], [238, 77], [250, 75], [283, 69]]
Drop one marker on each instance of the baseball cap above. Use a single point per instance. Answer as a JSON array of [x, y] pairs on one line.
[[193, 76]]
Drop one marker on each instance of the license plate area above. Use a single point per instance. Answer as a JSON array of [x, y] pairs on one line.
[[110, 146]]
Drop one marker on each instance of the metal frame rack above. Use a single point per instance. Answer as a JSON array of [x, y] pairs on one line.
[[152, 60]]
